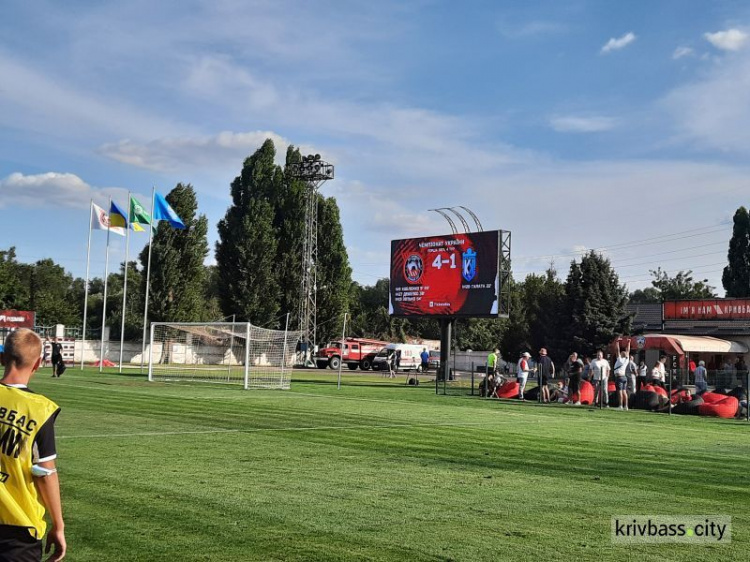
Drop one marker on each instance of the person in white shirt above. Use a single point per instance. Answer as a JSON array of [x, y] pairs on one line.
[[642, 375], [524, 367], [701, 384], [622, 366], [661, 371], [600, 368]]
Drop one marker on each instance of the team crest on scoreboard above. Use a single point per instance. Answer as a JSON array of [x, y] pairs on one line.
[[469, 265], [413, 268]]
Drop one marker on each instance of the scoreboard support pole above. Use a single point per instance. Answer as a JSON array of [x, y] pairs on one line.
[[443, 373]]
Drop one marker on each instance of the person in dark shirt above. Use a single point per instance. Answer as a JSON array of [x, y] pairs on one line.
[[57, 359], [545, 371]]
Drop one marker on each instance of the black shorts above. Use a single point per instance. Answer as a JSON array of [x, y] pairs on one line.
[[545, 379], [17, 545]]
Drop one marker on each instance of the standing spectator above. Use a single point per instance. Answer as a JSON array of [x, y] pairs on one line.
[[586, 371], [701, 384], [656, 374], [57, 358], [567, 366], [600, 370], [492, 362], [741, 369], [622, 365], [425, 358], [522, 376], [576, 369], [396, 361], [546, 370], [632, 374], [661, 377], [642, 374], [30, 484], [45, 352]]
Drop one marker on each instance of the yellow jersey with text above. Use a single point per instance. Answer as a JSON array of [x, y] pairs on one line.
[[22, 415]]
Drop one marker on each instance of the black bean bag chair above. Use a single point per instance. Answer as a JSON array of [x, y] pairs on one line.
[[645, 400], [738, 392], [688, 408], [532, 394]]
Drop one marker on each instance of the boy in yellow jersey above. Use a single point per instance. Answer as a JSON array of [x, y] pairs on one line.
[[28, 478]]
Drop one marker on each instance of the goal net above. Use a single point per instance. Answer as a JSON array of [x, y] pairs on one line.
[[221, 352]]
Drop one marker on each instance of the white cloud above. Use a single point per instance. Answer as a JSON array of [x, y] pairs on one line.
[[582, 124], [52, 190], [714, 111], [680, 52], [169, 154], [728, 40], [620, 43], [36, 100]]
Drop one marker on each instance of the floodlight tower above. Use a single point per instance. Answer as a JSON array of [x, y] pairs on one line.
[[313, 171]]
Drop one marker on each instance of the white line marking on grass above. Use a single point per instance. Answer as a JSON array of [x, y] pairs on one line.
[[274, 429]]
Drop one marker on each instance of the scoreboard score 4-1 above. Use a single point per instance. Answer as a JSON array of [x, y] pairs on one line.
[[456, 275]]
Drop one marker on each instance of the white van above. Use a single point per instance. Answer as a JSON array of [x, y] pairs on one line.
[[411, 359]]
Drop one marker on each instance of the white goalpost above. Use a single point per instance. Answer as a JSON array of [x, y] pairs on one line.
[[222, 352]]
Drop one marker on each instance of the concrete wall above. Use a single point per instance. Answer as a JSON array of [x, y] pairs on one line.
[[180, 354]]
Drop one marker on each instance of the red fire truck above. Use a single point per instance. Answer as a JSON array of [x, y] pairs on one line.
[[358, 352]]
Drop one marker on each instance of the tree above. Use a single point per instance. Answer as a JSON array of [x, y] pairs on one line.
[[49, 287], [13, 292], [246, 252], [736, 276], [649, 295], [289, 221], [681, 286], [594, 305], [334, 276], [177, 284]]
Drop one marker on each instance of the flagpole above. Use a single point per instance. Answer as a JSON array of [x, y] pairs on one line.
[[106, 279], [148, 275], [125, 282], [86, 289]]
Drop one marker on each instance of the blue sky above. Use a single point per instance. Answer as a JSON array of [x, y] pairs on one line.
[[620, 126]]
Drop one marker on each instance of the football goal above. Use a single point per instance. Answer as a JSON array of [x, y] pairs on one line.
[[221, 352]]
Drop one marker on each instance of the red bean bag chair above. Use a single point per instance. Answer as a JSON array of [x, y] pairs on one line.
[[724, 408], [585, 395], [661, 391], [509, 389], [611, 386], [712, 397], [648, 388]]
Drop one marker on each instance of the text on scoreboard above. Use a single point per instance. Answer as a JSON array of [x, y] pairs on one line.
[[450, 275]]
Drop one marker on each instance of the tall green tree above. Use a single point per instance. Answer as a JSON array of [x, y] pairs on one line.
[[289, 222], [681, 286], [246, 252], [334, 276], [178, 276], [736, 276], [595, 301], [49, 288], [13, 291]]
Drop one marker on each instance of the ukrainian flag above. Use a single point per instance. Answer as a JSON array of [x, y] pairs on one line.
[[117, 217]]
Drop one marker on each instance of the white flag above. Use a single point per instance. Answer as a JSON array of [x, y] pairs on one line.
[[100, 221]]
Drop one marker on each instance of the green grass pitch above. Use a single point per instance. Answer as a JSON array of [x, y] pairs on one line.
[[155, 471]]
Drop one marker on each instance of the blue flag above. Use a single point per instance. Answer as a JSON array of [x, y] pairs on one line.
[[164, 212]]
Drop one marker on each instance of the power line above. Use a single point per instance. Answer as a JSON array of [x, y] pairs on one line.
[[634, 243]]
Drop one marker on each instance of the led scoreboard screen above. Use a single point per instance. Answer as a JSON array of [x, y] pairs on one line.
[[452, 275]]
